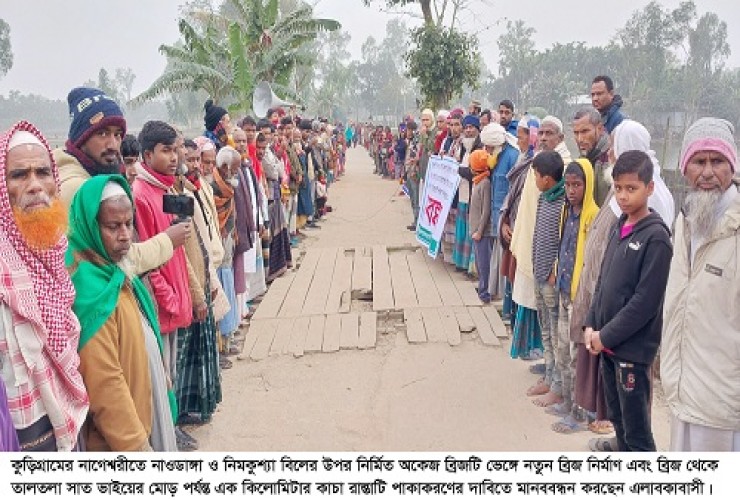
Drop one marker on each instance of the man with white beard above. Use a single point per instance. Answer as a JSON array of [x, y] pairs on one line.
[[701, 336]]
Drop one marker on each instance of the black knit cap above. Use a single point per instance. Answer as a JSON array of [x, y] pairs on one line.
[[213, 115], [305, 124]]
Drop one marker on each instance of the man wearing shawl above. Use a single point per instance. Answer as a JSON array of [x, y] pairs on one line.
[[274, 168], [228, 162], [254, 185], [627, 136], [593, 144], [502, 157], [120, 345], [250, 226], [463, 251], [38, 332], [202, 149], [526, 335]]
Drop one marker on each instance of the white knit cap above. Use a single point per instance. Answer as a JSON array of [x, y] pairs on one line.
[[493, 134], [21, 137], [428, 112], [112, 190], [443, 113], [554, 121]]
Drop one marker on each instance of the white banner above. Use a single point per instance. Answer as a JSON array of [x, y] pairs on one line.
[[440, 185], [387, 475]]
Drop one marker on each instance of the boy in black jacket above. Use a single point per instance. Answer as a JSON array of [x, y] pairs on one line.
[[625, 320]]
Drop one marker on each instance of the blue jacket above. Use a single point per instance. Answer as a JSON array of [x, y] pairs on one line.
[[613, 116], [512, 126], [499, 183]]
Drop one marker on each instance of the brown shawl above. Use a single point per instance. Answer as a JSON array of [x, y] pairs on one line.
[[223, 195]]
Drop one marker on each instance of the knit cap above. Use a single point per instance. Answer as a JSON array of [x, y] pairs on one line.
[[90, 110], [709, 134], [213, 115], [471, 120]]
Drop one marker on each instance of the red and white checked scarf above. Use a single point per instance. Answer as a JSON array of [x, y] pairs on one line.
[[39, 292]]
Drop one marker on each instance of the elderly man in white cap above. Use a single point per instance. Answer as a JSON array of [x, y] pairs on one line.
[[39, 333], [700, 358], [503, 155]]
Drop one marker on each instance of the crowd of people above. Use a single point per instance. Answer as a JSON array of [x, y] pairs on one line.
[[129, 263], [588, 257]]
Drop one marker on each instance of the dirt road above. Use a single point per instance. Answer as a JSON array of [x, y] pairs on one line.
[[398, 396]]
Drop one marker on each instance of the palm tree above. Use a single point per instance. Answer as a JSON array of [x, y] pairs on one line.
[[245, 42], [201, 61]]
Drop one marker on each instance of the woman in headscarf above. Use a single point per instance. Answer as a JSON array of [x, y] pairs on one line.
[[589, 394], [38, 331], [633, 136], [120, 345]]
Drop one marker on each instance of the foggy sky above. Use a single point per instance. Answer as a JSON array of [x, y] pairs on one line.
[[58, 45]]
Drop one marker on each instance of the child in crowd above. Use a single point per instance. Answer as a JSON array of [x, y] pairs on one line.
[[479, 223], [626, 316], [548, 168], [578, 213]]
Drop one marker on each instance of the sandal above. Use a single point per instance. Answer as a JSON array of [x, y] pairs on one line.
[[568, 425], [558, 410], [603, 444], [601, 427], [225, 364]]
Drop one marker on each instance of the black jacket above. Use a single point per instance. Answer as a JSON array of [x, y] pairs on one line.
[[627, 307]]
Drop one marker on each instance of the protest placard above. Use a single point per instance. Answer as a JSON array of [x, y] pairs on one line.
[[440, 185]]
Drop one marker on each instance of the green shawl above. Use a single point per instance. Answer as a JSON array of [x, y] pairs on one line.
[[555, 192], [98, 283]]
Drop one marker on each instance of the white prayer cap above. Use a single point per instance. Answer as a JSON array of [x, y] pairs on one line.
[[21, 137], [554, 121], [112, 190]]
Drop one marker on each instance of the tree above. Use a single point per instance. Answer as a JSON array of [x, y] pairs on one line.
[[6, 49], [516, 57], [647, 40], [225, 53], [443, 61], [124, 81], [200, 61], [107, 85], [434, 12]]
